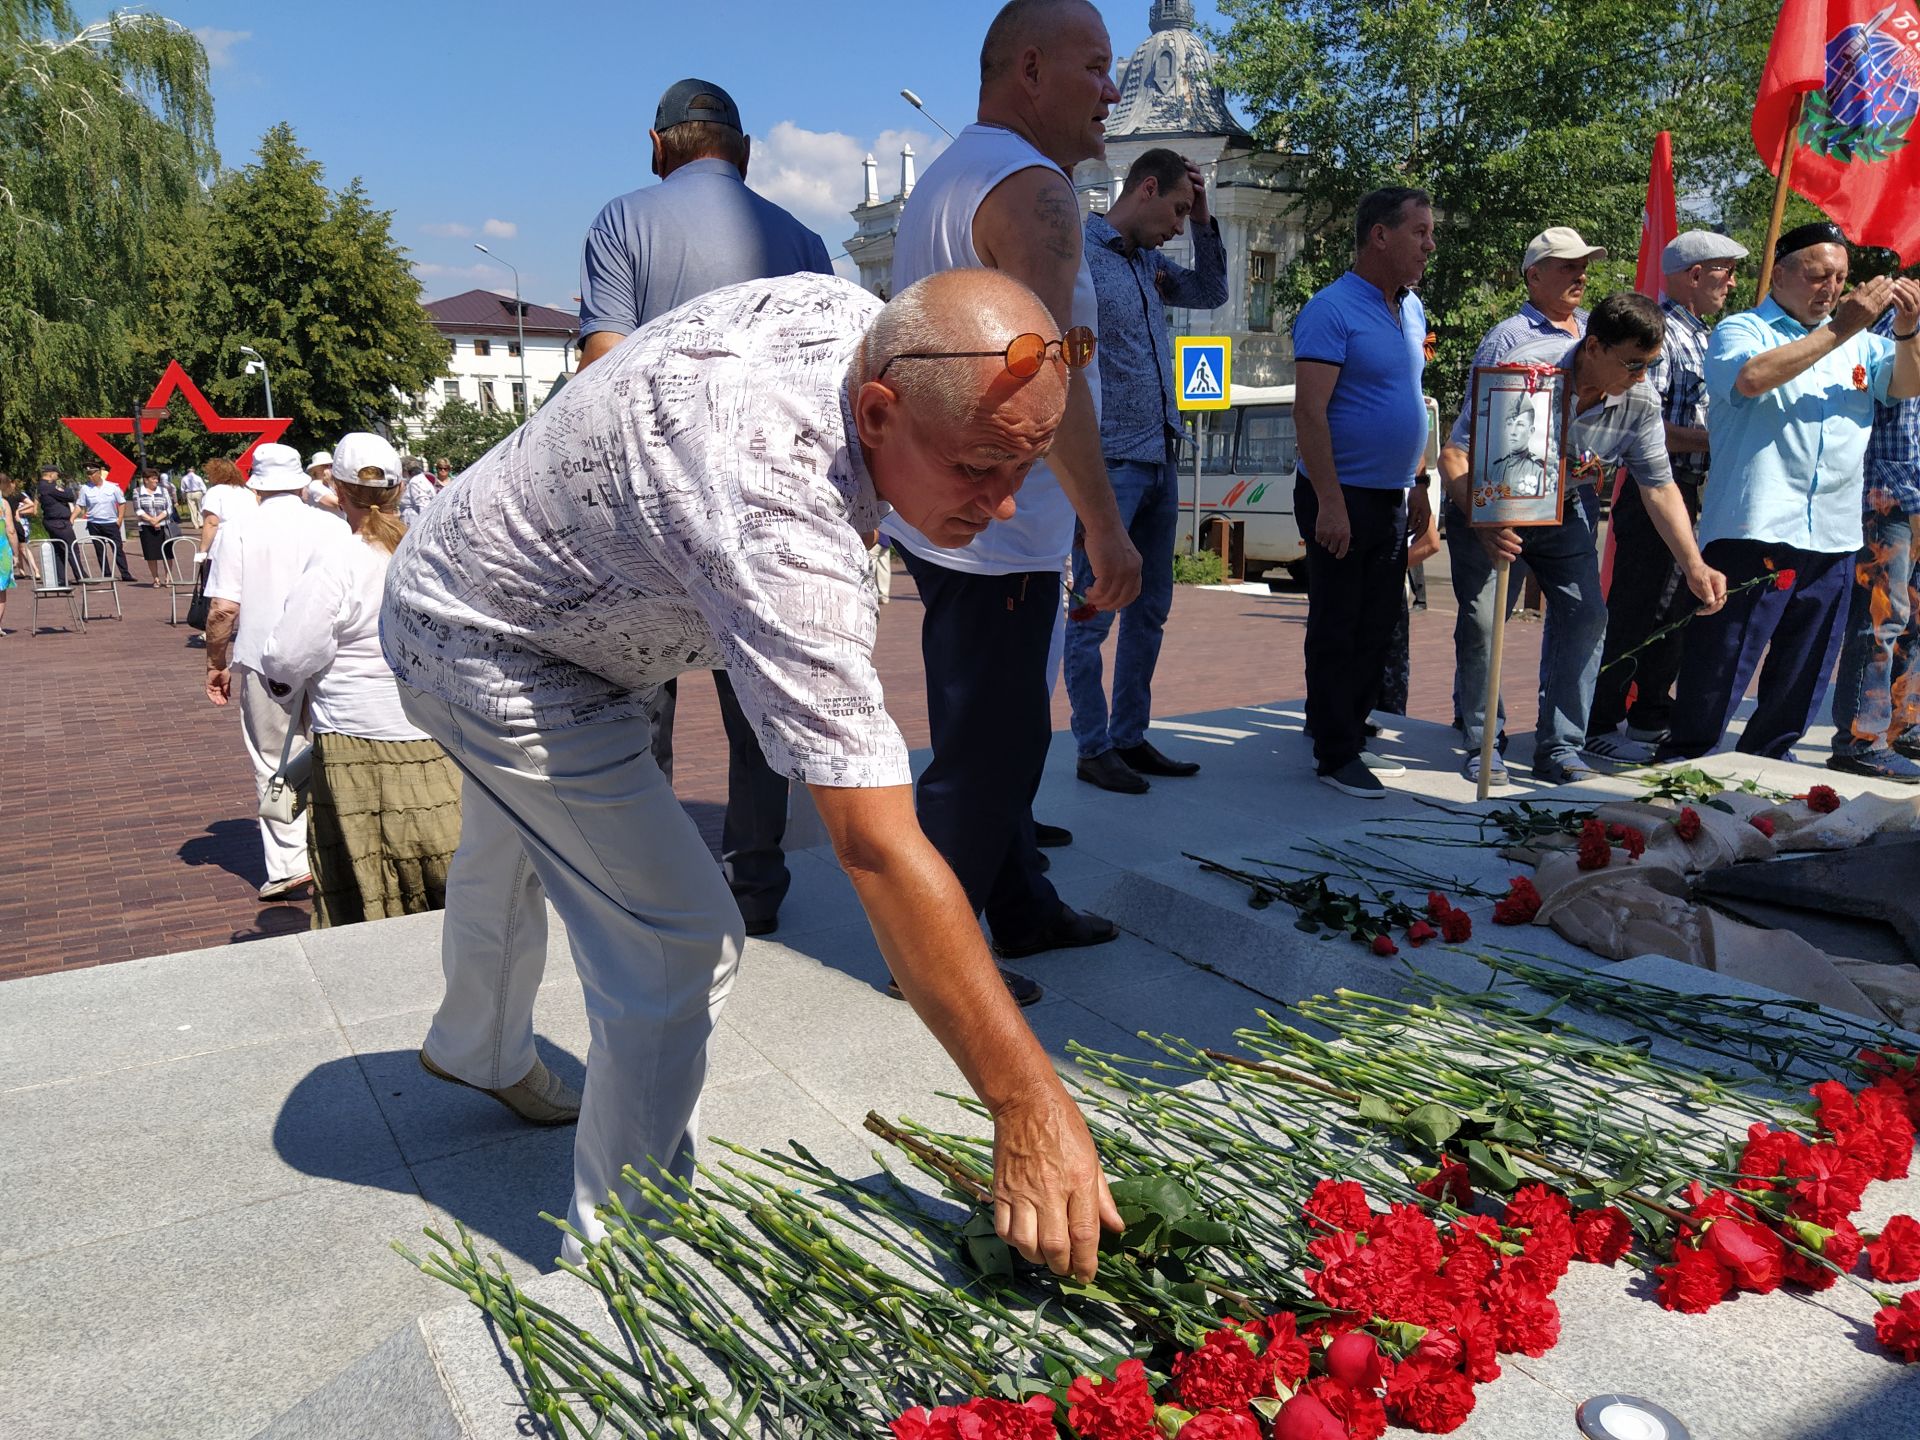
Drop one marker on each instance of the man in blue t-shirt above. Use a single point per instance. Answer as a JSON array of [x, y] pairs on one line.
[[1359, 353]]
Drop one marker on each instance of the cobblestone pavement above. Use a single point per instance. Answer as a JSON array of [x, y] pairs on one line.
[[126, 819]]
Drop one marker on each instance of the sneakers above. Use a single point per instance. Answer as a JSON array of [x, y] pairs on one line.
[[281, 889], [1908, 745], [1617, 749], [1381, 765], [1354, 778], [1878, 765], [1644, 736], [1562, 770], [1496, 773], [539, 1097]]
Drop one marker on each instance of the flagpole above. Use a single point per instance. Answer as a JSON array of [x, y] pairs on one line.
[[1787, 148]]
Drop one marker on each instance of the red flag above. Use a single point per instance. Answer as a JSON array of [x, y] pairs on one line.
[[1857, 63], [1658, 221]]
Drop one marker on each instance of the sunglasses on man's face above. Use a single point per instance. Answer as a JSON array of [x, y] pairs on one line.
[[1024, 355], [1637, 367]]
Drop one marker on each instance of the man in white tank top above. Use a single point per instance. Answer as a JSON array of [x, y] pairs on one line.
[[1001, 196]]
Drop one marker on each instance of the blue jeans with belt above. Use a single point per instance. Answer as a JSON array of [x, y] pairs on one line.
[[1148, 497], [1876, 691], [1568, 567]]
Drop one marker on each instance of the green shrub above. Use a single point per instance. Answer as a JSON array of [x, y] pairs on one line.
[[1205, 568]]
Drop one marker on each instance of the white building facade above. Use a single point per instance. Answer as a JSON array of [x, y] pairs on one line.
[[483, 352]]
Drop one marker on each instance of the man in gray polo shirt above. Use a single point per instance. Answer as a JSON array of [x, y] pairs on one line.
[[651, 251]]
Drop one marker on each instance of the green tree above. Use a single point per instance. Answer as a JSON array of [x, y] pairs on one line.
[[106, 131], [461, 433], [313, 280], [1515, 117]]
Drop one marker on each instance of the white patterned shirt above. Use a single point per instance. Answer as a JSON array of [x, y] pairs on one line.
[[694, 500]]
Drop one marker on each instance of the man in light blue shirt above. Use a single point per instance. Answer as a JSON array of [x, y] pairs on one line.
[[106, 507], [1792, 385]]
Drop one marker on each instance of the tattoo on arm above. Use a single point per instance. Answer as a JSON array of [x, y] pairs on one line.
[[1059, 217]]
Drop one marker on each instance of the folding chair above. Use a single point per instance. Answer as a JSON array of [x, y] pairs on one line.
[[181, 557], [49, 560], [93, 556]]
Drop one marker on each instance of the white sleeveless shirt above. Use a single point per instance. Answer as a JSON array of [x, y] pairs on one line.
[[936, 233]]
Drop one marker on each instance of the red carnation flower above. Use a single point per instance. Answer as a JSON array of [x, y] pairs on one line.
[[1601, 1235], [1118, 1409], [1521, 905], [1305, 1417], [1429, 1398], [1633, 841], [1900, 1071], [1480, 1342], [1524, 1319], [1841, 1248], [1362, 1411], [1383, 945], [1354, 1360], [1694, 1283], [1831, 1185], [1220, 1425], [981, 1419], [1784, 580], [1418, 933], [1898, 1326], [1451, 1183], [1687, 827], [1438, 906], [1082, 612], [1223, 1374], [1594, 852], [1286, 1354], [1822, 800], [1456, 927], [1894, 1254], [1859, 377], [1762, 824], [1338, 1205]]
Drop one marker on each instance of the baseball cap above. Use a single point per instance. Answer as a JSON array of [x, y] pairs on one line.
[[1698, 247], [365, 459], [276, 467], [1561, 242], [696, 100]]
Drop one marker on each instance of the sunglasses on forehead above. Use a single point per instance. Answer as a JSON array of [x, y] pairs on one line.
[[1024, 355]]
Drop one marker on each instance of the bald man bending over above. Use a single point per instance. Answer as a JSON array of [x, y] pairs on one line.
[[696, 500]]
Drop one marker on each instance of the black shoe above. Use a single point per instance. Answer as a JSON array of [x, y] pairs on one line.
[[1908, 745], [1354, 778], [1024, 991], [1370, 730], [1110, 772], [763, 925], [1051, 837], [1143, 759], [1045, 863], [1071, 930]]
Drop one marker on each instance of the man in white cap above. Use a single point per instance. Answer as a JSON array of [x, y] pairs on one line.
[[319, 481], [260, 555], [1648, 592]]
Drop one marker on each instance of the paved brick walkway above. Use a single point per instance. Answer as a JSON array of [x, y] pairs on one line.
[[126, 822]]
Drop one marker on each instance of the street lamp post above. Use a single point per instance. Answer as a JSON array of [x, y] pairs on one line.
[[258, 366], [914, 100], [519, 325]]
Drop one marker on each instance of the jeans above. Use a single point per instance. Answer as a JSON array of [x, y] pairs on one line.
[[1148, 498], [1876, 693], [1563, 559], [1354, 604], [1648, 593]]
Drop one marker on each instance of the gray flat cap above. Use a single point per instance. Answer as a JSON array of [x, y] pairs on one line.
[[1698, 247]]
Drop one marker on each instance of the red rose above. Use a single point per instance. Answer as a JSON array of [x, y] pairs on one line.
[[1354, 1361], [1117, 1409], [1894, 1254], [1784, 580], [1694, 1283], [1602, 1235], [1822, 800], [1750, 1253], [1762, 824], [1338, 1205], [1418, 933], [1220, 1425], [1383, 945], [1438, 906], [1286, 1355], [1687, 827], [1450, 1184], [1429, 1398], [1898, 1326], [1306, 1418], [1223, 1374], [1363, 1412], [1456, 927]]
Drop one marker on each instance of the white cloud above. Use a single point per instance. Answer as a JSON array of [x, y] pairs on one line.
[[220, 44], [500, 229], [448, 230], [817, 174], [427, 270]]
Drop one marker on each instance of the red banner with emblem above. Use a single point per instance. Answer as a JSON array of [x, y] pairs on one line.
[[1855, 64]]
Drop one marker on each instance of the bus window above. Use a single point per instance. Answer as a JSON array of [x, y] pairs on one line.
[[1219, 457], [1266, 440]]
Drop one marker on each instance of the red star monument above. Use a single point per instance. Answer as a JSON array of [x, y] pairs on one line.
[[93, 432]]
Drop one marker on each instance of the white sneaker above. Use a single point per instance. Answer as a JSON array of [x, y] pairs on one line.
[[1619, 750], [1381, 765]]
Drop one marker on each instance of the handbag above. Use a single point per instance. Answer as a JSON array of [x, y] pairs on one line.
[[291, 785], [198, 607]]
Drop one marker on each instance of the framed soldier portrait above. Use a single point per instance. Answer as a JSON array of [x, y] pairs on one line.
[[1517, 432]]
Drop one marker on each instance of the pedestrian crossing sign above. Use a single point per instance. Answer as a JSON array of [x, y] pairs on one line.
[[1204, 364]]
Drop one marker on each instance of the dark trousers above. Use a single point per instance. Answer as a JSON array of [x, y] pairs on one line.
[[110, 530], [62, 531], [1353, 605], [1798, 632], [1647, 593], [984, 644], [750, 838]]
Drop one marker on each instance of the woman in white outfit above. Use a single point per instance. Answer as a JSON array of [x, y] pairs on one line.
[[384, 818]]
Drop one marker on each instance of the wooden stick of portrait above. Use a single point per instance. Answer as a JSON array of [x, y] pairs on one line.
[[1490, 717], [1787, 147]]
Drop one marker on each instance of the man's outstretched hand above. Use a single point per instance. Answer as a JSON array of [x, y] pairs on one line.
[[1050, 1197]]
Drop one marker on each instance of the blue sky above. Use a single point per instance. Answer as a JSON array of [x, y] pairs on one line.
[[511, 124]]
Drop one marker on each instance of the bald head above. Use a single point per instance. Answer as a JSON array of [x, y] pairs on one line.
[[1022, 25], [967, 309]]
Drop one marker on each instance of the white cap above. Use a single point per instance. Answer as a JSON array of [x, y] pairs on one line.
[[359, 453], [275, 468], [1562, 242], [319, 458]]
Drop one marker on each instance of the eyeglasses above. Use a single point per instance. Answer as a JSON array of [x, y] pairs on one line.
[[1024, 355]]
